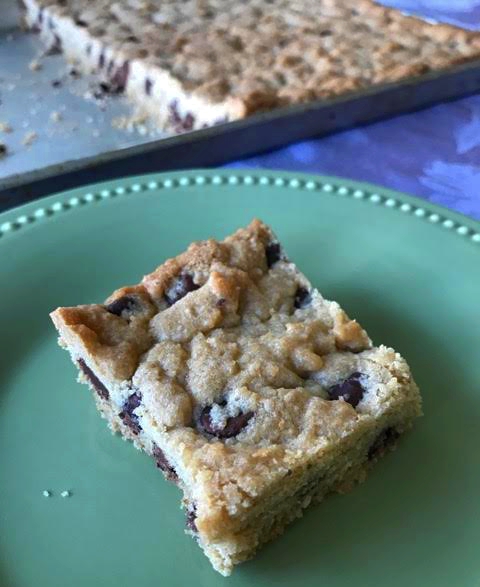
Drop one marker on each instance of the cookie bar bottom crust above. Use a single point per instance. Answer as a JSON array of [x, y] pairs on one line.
[[339, 472]]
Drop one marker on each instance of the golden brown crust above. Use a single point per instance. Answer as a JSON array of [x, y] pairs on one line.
[[111, 346], [349, 335], [247, 250]]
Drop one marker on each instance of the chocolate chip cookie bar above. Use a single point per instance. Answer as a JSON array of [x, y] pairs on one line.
[[196, 63], [251, 392]]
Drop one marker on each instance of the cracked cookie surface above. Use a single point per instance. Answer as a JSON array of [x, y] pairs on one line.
[[232, 371]]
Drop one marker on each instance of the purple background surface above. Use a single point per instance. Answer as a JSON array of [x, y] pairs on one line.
[[434, 154]]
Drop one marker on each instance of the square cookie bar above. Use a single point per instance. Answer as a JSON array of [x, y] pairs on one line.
[[251, 392], [197, 63]]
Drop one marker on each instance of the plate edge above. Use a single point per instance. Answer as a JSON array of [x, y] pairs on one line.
[[12, 221]]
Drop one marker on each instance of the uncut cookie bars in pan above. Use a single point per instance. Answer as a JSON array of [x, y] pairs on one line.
[[194, 63], [252, 393]]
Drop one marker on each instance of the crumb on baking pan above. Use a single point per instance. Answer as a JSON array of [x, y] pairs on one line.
[[29, 138], [130, 123], [5, 127], [56, 116], [35, 65]]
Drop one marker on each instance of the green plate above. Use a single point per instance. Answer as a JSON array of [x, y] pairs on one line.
[[409, 271]]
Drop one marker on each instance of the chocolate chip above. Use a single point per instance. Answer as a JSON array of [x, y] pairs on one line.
[[273, 252], [302, 298], [55, 46], [101, 60], [125, 303], [174, 113], [325, 33], [164, 465], [94, 380], [116, 83], [384, 440], [233, 426], [127, 416], [120, 77], [183, 285], [72, 72], [132, 39], [180, 123], [350, 390], [188, 122], [148, 86], [56, 83], [80, 22], [191, 517]]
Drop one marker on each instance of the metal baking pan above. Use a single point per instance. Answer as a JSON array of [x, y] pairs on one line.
[[261, 132]]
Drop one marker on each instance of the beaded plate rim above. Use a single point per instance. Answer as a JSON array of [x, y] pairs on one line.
[[40, 211]]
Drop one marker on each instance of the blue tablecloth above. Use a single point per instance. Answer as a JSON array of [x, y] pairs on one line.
[[434, 154]]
